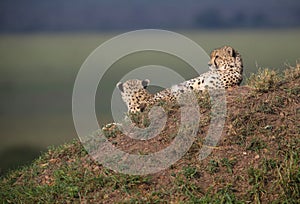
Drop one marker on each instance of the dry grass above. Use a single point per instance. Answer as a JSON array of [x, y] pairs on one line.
[[265, 80]]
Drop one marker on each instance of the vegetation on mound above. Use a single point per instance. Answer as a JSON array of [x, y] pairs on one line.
[[257, 159]]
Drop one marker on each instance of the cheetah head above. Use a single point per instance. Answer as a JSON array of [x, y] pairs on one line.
[[225, 59], [134, 94]]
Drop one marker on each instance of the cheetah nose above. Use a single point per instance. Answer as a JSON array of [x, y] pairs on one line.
[[142, 107], [209, 64]]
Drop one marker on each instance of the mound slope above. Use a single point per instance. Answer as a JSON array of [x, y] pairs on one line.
[[256, 160]]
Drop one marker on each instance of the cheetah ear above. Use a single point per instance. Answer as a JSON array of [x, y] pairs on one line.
[[145, 83], [231, 51], [120, 86]]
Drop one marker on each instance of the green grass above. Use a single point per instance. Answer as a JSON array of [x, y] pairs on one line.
[[229, 164], [70, 180]]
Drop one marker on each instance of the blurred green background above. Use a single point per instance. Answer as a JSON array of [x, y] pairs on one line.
[[40, 60]]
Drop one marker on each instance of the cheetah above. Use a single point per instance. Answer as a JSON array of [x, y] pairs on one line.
[[135, 95], [226, 70]]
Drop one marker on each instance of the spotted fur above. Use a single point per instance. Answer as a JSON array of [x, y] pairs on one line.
[[226, 69]]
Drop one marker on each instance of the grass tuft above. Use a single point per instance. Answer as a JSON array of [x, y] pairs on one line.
[[265, 80], [292, 73]]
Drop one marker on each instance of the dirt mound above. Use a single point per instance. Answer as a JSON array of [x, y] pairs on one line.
[[256, 159]]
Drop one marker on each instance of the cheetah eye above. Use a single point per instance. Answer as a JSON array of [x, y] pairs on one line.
[[217, 56]]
